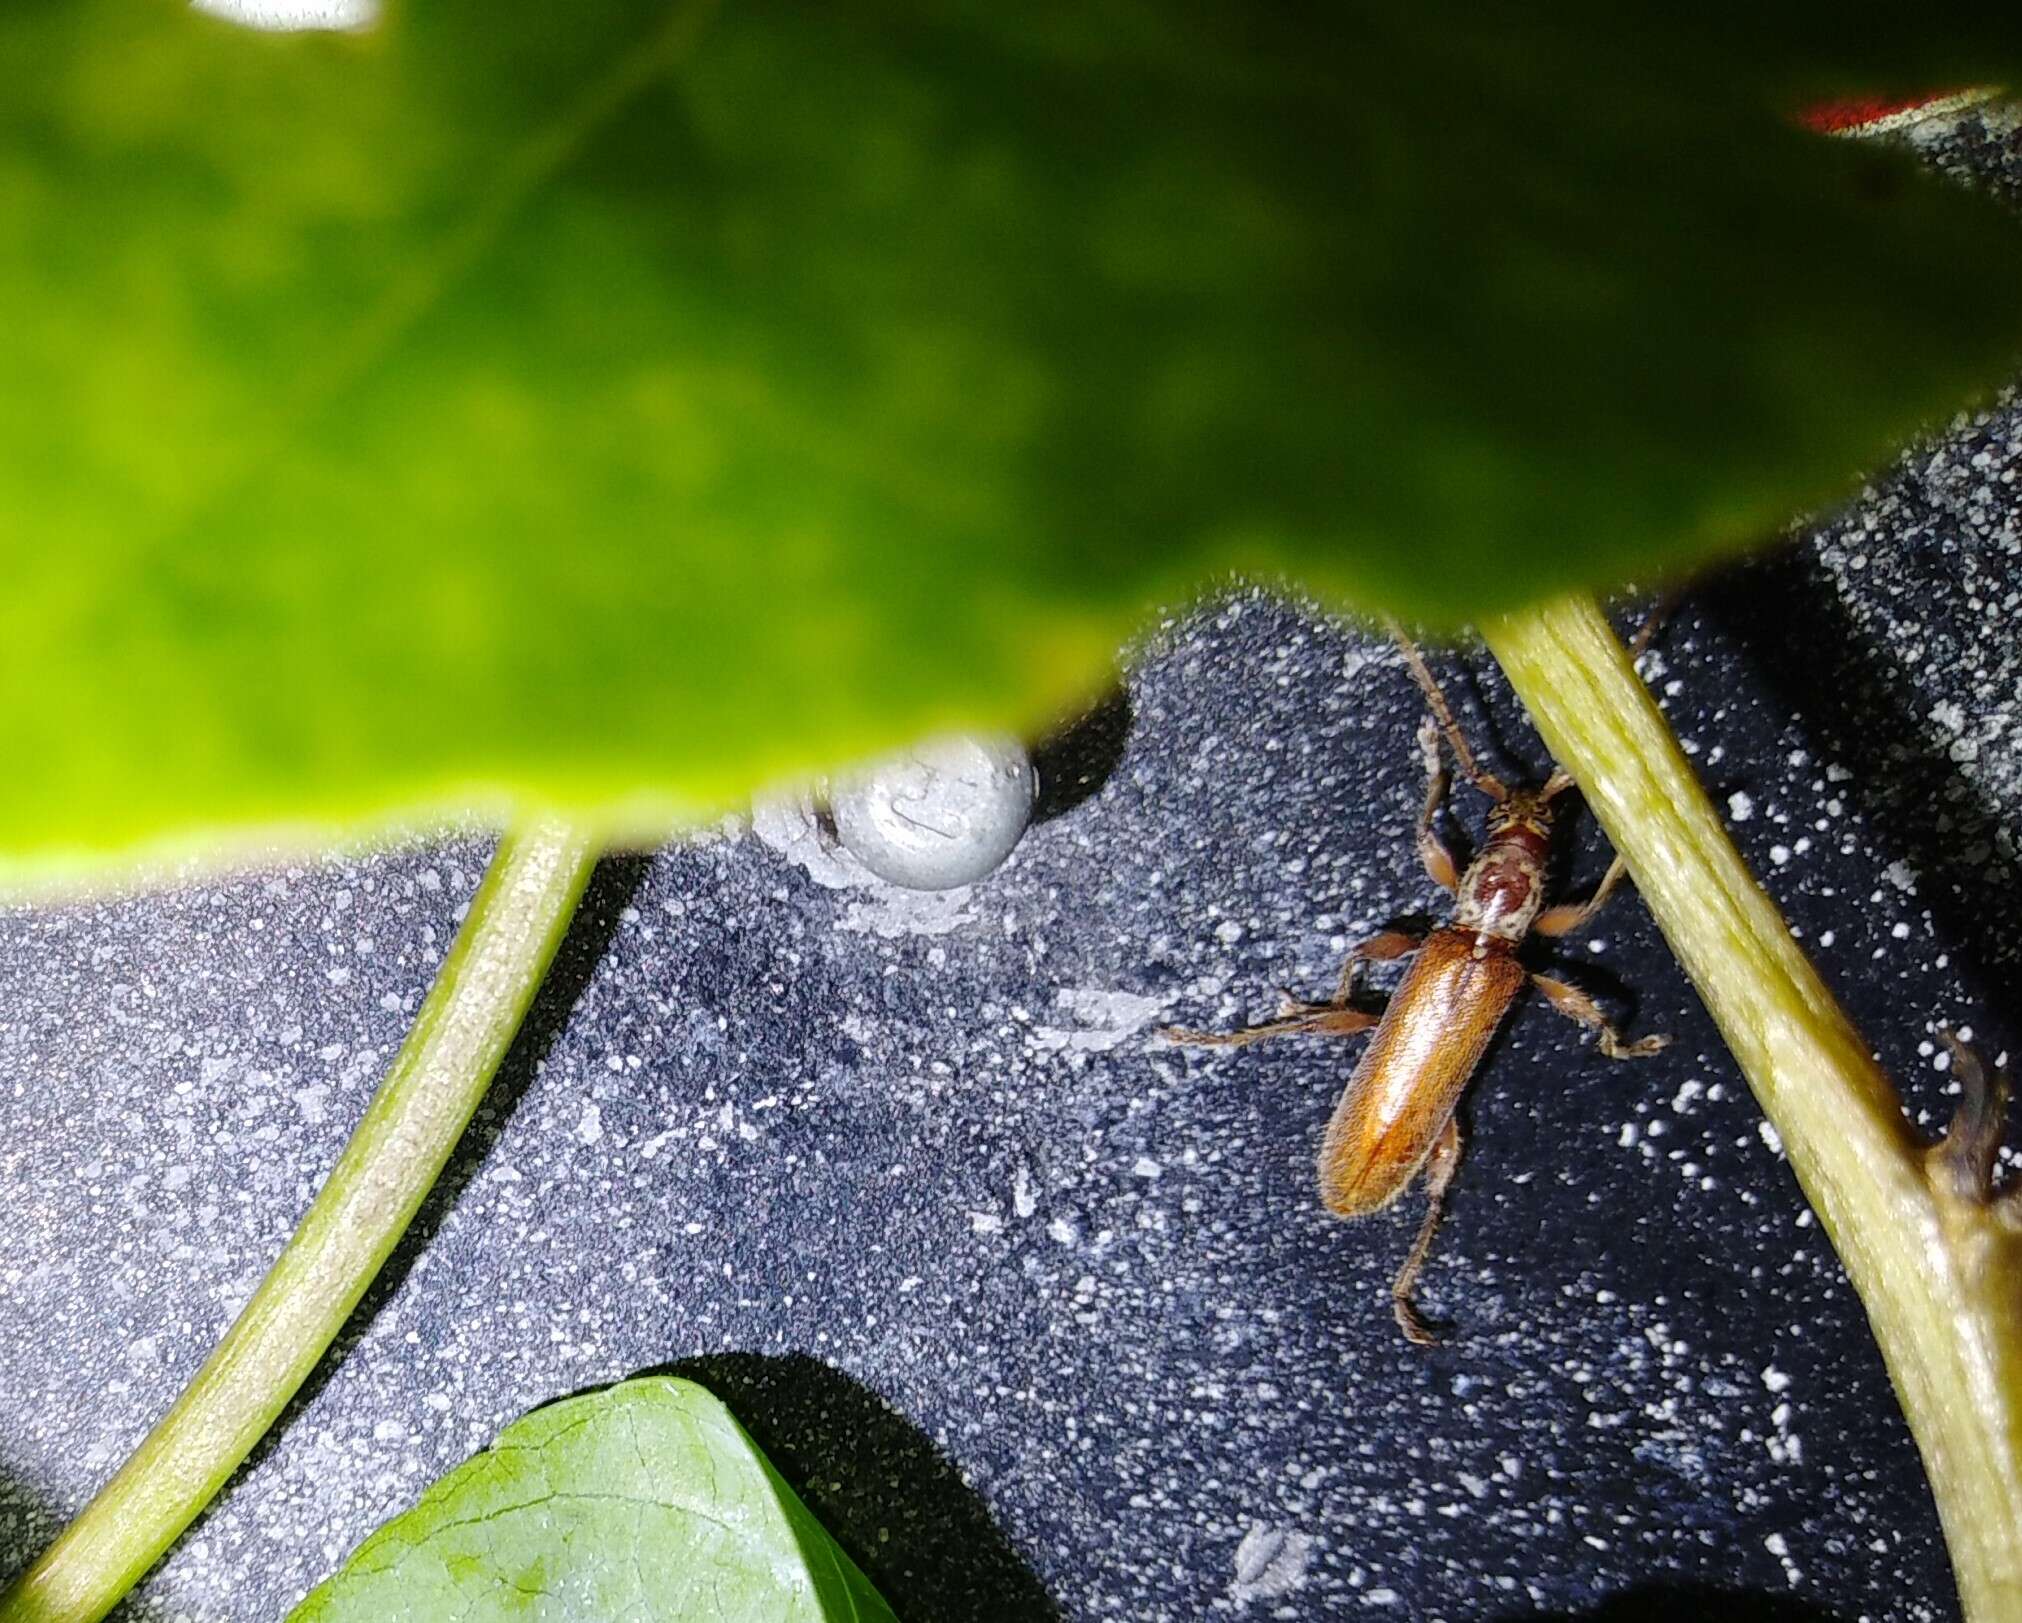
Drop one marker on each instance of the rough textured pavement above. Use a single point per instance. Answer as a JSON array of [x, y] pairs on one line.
[[1041, 1316]]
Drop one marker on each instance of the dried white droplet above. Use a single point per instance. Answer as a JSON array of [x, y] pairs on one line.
[[941, 814], [1270, 1561]]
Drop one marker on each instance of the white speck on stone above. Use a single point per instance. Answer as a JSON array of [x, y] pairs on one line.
[[1024, 1201], [1774, 1378], [894, 912], [1779, 854], [1269, 1562], [388, 1431], [1771, 1137], [1902, 876], [1740, 806], [1103, 1019], [1146, 1167], [312, 1102], [590, 1125], [985, 1223]]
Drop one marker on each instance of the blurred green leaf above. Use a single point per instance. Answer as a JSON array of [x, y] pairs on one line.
[[620, 404], [643, 1500]]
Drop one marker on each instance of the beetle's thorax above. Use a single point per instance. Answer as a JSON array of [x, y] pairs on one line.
[[1504, 886]]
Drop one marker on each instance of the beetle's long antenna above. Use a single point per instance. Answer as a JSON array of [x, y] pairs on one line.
[[1487, 782]]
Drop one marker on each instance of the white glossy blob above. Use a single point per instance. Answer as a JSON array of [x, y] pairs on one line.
[[941, 814]]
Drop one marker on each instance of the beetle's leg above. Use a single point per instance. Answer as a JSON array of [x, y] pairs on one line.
[[1435, 696], [1311, 1020], [1380, 948], [1569, 916], [1574, 1004], [1440, 1167], [1337, 1018], [1432, 849]]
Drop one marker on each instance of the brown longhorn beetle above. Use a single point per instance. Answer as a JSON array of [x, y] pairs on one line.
[[1396, 1115]]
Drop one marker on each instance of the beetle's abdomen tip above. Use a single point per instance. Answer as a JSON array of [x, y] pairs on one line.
[[1359, 1198]]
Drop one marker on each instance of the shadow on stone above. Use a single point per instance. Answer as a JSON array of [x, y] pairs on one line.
[[880, 1488], [1074, 762], [27, 1525], [1687, 1603], [1920, 804]]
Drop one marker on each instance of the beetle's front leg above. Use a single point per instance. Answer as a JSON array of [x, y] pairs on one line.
[[1432, 850], [1440, 1167]]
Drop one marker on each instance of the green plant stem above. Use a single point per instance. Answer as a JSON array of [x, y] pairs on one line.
[[482, 992], [1939, 1268]]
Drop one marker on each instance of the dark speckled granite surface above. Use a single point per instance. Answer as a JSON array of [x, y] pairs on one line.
[[1043, 1317]]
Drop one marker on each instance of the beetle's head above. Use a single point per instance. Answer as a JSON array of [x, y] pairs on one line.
[[1528, 810]]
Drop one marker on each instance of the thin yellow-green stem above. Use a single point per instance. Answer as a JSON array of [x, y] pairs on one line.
[[1939, 1270], [516, 921]]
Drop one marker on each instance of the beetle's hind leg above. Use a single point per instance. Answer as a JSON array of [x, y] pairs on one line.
[[1440, 1167], [1574, 1004]]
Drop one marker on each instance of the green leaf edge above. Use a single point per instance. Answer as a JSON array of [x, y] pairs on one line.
[[834, 1579]]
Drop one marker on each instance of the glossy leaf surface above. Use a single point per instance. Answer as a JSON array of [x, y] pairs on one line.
[[619, 405], [645, 1500]]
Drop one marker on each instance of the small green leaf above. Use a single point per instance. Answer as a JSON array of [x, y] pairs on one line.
[[618, 404], [646, 1500]]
